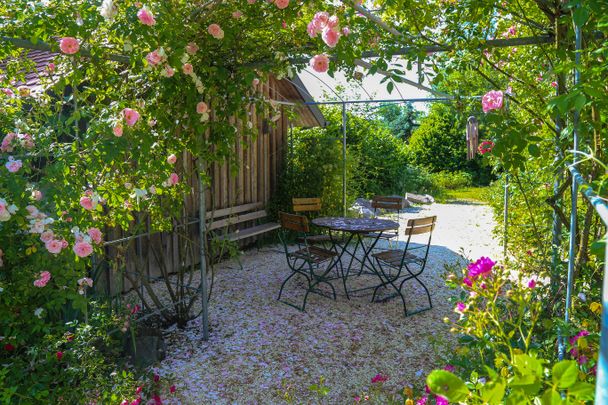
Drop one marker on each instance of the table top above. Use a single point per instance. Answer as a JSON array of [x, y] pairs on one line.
[[356, 225]]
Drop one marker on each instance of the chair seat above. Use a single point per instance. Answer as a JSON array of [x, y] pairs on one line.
[[393, 257], [383, 235], [316, 239], [313, 254]]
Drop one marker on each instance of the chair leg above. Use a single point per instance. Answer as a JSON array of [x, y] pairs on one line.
[[283, 285], [428, 294]]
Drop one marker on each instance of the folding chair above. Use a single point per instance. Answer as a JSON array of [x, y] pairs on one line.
[[310, 207], [399, 266], [395, 204], [311, 262]]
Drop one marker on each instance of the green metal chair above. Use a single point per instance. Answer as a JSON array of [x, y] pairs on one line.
[[311, 262], [399, 266]]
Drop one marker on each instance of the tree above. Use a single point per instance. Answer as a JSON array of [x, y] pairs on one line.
[[400, 119]]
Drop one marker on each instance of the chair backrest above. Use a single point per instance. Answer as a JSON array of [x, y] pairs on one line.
[[420, 226], [388, 203], [306, 204], [294, 222]]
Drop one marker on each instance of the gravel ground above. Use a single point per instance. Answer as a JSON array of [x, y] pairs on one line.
[[260, 348]]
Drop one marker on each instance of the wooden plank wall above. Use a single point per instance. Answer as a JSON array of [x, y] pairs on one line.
[[255, 181]]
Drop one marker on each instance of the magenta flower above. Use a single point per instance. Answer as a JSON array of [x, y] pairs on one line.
[[59, 356], [492, 100], [450, 368], [439, 400], [583, 360], [460, 307], [467, 281], [422, 401], [532, 283], [482, 267], [379, 378], [172, 389]]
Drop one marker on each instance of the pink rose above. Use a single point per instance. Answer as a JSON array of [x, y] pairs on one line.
[[146, 17], [69, 45], [202, 107], [492, 100], [237, 14], [312, 29], [187, 69], [171, 159], [54, 246], [281, 4], [37, 195], [191, 48], [334, 23], [320, 20], [169, 71], [51, 67], [85, 281], [83, 249], [117, 130], [554, 85], [154, 58], [172, 180], [87, 203], [215, 31], [95, 235], [64, 243], [13, 165], [43, 279], [6, 145], [131, 116], [46, 236], [320, 63], [330, 37], [251, 1]]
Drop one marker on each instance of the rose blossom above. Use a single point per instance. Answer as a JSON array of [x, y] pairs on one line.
[[216, 31], [13, 165], [131, 116], [154, 58], [172, 180], [460, 307], [59, 356], [237, 14], [187, 69], [117, 130], [320, 63], [171, 159], [69, 45], [202, 107], [37, 195], [330, 37], [146, 17], [281, 4], [191, 48], [492, 101], [95, 235], [482, 267], [82, 249], [168, 71], [43, 279], [46, 236], [87, 203], [54, 246]]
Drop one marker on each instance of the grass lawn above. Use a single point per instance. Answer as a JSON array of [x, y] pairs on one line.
[[468, 194]]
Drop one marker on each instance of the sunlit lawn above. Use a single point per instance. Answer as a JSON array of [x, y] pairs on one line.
[[469, 194]]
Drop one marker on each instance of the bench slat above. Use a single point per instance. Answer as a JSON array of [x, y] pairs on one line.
[[238, 219], [223, 212], [253, 231]]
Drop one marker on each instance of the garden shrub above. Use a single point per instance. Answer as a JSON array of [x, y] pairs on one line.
[[452, 180]]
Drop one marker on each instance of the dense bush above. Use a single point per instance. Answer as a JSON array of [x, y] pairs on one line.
[[452, 180]]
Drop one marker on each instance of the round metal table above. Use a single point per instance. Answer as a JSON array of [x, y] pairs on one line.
[[357, 228]]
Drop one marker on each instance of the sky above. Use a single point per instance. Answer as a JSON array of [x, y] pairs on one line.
[[321, 86]]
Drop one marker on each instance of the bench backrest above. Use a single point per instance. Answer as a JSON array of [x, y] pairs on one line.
[[235, 215]]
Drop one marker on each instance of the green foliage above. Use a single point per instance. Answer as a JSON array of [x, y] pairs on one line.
[[399, 119], [452, 180]]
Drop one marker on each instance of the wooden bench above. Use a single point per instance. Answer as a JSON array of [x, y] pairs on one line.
[[227, 217]]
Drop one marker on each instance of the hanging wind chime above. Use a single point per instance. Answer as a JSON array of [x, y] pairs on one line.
[[472, 137]]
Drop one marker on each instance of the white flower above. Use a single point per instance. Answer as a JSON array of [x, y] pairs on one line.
[[38, 312], [1, 289], [582, 297], [108, 10]]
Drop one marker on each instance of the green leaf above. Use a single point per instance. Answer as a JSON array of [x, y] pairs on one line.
[[580, 16], [389, 87], [448, 385], [493, 392], [516, 397], [582, 391], [551, 397], [534, 150], [565, 373], [527, 365]]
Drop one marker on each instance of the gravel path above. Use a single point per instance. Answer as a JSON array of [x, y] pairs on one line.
[[261, 349]]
